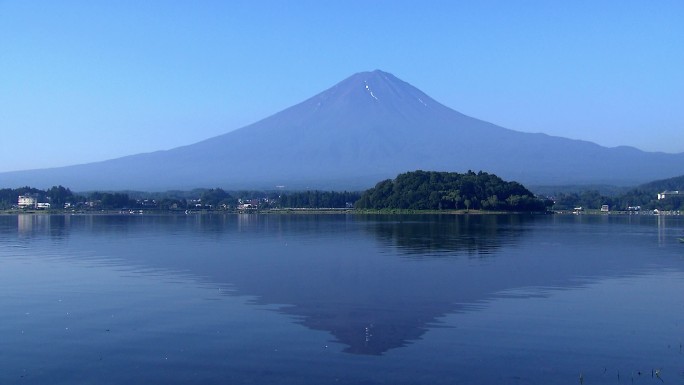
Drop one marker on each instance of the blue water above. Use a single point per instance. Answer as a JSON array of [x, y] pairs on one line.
[[341, 299]]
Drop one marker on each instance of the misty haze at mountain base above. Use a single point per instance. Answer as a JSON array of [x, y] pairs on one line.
[[370, 126]]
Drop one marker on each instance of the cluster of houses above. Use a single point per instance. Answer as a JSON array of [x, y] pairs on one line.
[[30, 201], [248, 204], [580, 209], [663, 195]]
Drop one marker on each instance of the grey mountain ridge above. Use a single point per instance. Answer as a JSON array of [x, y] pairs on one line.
[[369, 127]]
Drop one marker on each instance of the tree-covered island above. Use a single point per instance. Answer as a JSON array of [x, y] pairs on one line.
[[431, 190]]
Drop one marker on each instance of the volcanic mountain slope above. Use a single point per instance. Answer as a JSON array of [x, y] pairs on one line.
[[369, 127]]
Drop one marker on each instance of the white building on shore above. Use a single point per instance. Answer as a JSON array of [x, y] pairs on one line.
[[667, 194], [27, 201]]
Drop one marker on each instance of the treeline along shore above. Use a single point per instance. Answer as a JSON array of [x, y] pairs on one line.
[[417, 191]]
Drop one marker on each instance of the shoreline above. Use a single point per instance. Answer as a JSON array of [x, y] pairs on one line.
[[328, 211]]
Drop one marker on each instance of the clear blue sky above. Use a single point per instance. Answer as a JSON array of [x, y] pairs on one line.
[[83, 81]]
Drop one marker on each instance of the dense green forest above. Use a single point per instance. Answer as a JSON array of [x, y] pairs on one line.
[[318, 199], [430, 190]]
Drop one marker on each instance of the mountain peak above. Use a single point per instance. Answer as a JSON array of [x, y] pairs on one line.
[[376, 72], [376, 92], [370, 126], [376, 76]]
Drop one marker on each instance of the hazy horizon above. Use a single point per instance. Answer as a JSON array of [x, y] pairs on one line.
[[87, 82]]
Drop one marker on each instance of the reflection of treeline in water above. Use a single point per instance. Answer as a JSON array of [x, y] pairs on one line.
[[430, 190], [446, 234]]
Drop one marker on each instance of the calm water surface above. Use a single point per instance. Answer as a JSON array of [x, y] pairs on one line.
[[335, 299]]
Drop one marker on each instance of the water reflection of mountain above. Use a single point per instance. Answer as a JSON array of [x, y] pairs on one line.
[[349, 275]]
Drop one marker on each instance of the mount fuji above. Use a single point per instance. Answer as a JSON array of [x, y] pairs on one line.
[[370, 126]]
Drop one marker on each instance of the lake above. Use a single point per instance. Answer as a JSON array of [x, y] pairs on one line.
[[341, 299]]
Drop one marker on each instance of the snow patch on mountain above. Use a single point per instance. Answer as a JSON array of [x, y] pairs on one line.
[[370, 91]]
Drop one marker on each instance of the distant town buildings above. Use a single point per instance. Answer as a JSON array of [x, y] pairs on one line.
[[30, 201], [667, 194], [248, 204]]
